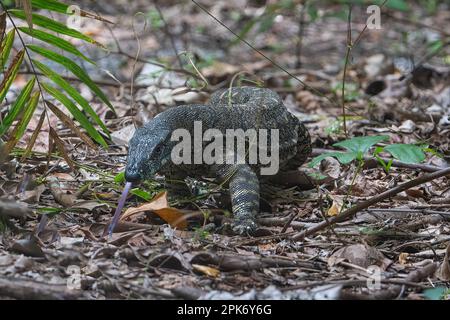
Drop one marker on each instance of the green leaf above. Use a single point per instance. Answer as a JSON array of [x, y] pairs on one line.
[[361, 145], [63, 8], [51, 5], [53, 25], [72, 92], [11, 74], [119, 178], [22, 125], [74, 68], [77, 114], [342, 157], [427, 149], [6, 48], [17, 107], [141, 194], [407, 153], [436, 46], [29, 111], [50, 211], [55, 41], [356, 147], [244, 31], [400, 5], [386, 166], [266, 23], [312, 12]]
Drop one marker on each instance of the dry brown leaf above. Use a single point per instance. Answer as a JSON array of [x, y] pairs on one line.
[[34, 137], [219, 69], [122, 136], [415, 193], [212, 272], [403, 258], [62, 176], [27, 8], [334, 209], [63, 198], [88, 205], [71, 125], [32, 196], [28, 247], [24, 121], [160, 206], [2, 25], [17, 60], [359, 254], [60, 146]]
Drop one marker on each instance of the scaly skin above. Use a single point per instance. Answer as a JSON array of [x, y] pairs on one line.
[[244, 108]]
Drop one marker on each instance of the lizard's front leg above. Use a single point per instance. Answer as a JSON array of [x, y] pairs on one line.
[[176, 186], [244, 192]]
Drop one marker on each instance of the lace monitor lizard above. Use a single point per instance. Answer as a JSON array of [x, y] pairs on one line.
[[245, 108]]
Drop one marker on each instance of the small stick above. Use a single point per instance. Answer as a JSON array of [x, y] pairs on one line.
[[169, 35], [347, 58], [288, 223], [365, 204], [301, 31]]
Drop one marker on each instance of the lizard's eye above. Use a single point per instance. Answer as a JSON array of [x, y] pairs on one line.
[[157, 150]]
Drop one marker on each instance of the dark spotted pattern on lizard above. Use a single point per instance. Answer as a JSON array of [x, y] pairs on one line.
[[239, 108]]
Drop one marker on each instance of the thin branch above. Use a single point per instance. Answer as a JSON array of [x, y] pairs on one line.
[[305, 85], [350, 46], [365, 204], [133, 71], [366, 27], [347, 58], [169, 35], [301, 32]]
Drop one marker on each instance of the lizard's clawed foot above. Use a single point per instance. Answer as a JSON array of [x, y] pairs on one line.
[[244, 227]]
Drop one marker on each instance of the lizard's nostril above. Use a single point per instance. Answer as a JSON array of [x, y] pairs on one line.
[[132, 176]]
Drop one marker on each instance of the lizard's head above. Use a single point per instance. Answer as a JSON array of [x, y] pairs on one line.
[[149, 150]]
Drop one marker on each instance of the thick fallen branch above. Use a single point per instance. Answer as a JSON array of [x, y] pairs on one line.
[[395, 163], [365, 204], [11, 208], [31, 290]]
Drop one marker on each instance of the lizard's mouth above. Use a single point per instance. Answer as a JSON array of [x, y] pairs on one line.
[[132, 176]]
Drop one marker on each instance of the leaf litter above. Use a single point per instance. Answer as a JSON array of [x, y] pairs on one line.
[[52, 223]]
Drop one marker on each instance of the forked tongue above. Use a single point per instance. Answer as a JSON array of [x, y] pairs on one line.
[[117, 213]]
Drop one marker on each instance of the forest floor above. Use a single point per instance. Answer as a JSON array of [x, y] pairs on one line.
[[397, 84]]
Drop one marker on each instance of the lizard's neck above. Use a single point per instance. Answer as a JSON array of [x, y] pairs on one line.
[[183, 117]]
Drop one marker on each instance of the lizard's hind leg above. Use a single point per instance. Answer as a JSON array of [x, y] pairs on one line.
[[244, 191]]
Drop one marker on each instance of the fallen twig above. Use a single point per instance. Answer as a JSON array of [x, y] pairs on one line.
[[365, 204], [409, 211], [11, 208], [26, 289]]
